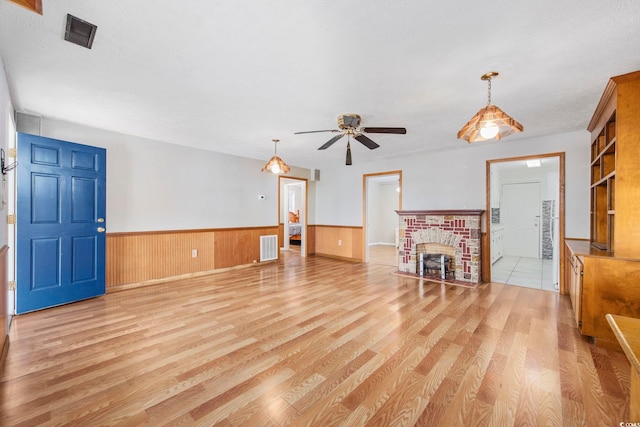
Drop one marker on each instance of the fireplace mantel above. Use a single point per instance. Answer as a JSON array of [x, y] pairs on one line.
[[460, 212]]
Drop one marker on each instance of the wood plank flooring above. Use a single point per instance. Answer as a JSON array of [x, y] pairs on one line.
[[383, 254], [311, 342]]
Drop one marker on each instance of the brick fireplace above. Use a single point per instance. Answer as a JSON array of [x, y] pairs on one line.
[[458, 229]]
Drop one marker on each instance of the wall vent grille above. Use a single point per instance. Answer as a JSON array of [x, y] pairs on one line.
[[268, 247]]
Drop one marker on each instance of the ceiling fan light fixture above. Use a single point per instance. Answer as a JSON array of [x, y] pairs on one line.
[[349, 125], [490, 122], [276, 165]]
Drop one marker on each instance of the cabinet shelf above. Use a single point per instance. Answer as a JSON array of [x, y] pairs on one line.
[[603, 182], [615, 158], [604, 179], [610, 148]]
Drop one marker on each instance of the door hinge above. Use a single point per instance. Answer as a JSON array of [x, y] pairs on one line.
[[12, 152], [11, 219], [12, 285]]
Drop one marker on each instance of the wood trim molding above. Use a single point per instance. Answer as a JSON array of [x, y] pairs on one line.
[[563, 287], [342, 258], [32, 5], [365, 183], [602, 105], [191, 230], [355, 227]]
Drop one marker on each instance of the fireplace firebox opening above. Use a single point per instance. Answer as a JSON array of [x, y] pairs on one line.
[[435, 258]]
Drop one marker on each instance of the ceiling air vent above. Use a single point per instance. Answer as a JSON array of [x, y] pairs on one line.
[[79, 32]]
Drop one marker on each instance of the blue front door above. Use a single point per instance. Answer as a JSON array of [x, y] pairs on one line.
[[61, 205]]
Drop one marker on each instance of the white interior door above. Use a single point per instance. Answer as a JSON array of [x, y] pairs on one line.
[[520, 215]]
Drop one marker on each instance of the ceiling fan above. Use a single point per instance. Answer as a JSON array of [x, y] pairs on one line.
[[349, 125]]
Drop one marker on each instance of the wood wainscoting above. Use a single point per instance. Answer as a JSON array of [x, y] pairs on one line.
[[138, 257], [311, 240], [338, 241]]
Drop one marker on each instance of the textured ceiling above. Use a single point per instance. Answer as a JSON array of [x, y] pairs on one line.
[[230, 75]]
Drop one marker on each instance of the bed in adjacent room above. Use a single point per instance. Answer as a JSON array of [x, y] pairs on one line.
[[295, 228]]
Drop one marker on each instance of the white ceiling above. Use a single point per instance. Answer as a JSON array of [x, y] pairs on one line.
[[230, 75]]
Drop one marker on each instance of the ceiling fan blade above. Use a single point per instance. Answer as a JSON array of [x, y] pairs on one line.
[[330, 142], [316, 131], [400, 131], [366, 142]]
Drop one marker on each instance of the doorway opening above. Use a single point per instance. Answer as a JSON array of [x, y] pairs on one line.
[[525, 220], [292, 214], [382, 194]]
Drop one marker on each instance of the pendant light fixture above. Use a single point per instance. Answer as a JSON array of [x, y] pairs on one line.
[[490, 122], [276, 165]]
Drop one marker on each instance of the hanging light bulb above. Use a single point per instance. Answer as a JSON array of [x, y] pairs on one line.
[[489, 130], [276, 165], [490, 122]]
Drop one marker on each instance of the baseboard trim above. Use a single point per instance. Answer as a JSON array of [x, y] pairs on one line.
[[342, 258], [135, 285]]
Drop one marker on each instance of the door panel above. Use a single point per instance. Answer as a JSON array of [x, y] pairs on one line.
[[520, 214], [61, 203]]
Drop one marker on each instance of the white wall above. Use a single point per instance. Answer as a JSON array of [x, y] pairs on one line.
[[153, 185], [460, 176], [546, 176], [383, 201]]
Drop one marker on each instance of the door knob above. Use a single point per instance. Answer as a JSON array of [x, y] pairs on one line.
[[101, 229]]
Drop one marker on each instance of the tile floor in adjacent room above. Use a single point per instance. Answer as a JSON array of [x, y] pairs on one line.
[[529, 272]]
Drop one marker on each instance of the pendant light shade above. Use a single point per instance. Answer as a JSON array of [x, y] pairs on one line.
[[490, 122], [276, 165]]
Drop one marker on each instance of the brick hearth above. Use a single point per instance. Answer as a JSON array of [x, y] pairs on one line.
[[458, 228]]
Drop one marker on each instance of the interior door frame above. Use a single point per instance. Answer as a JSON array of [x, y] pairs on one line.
[[365, 205], [10, 204], [563, 288], [305, 186]]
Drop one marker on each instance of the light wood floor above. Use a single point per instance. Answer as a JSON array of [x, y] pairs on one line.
[[383, 254], [311, 342]]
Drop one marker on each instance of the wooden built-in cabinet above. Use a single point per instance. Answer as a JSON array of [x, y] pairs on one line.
[[603, 273], [615, 168], [600, 284]]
